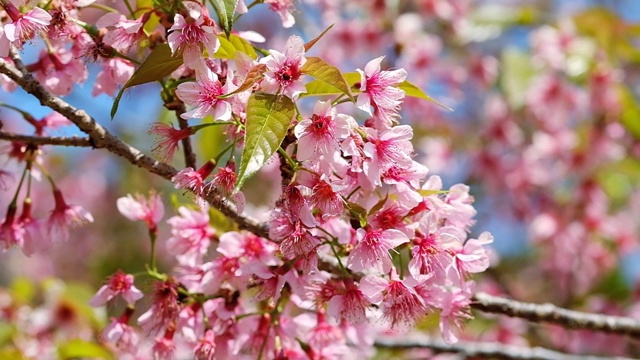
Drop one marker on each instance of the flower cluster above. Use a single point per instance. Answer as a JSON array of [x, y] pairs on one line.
[[361, 239]]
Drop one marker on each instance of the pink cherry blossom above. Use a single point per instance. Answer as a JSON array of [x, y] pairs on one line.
[[350, 305], [119, 284], [11, 231], [24, 26], [148, 210], [206, 346], [372, 249], [203, 94], [283, 8], [322, 133], [120, 333], [59, 71], [379, 91], [115, 72], [473, 257], [284, 69], [401, 304], [194, 180], [65, 216], [168, 139], [192, 35], [125, 33], [191, 235]]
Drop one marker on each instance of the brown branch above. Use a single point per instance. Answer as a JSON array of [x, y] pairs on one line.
[[556, 315], [103, 139], [44, 140], [484, 350]]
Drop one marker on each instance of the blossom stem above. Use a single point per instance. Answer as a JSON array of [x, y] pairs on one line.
[[152, 260], [133, 14], [224, 151], [335, 253], [103, 7], [292, 163], [25, 114], [123, 56], [14, 202]]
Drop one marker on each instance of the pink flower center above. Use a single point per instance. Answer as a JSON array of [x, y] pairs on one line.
[[287, 74], [192, 33], [119, 282], [210, 92], [320, 124]]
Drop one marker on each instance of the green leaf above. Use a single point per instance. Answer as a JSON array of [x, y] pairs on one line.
[[414, 91], [6, 333], [221, 222], [268, 118], [630, 117], [158, 65], [82, 349], [11, 354], [326, 73], [225, 10], [517, 72], [254, 75], [234, 43], [23, 289], [310, 44]]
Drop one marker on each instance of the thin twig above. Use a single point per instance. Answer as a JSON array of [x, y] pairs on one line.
[[556, 315], [484, 350], [102, 138], [45, 140], [189, 155]]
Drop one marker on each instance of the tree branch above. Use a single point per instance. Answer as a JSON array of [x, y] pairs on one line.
[[44, 140], [102, 138], [556, 315], [484, 350]]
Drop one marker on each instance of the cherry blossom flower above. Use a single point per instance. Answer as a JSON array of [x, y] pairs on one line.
[[191, 235], [401, 304], [115, 72], [224, 182], [194, 180], [284, 69], [165, 307], [23, 26], [34, 237], [190, 36], [59, 71], [65, 216], [11, 231], [168, 139], [164, 347], [121, 334], [148, 210], [321, 134], [203, 94], [379, 91], [206, 346], [125, 33], [350, 305], [473, 257], [119, 284], [283, 8], [372, 249]]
